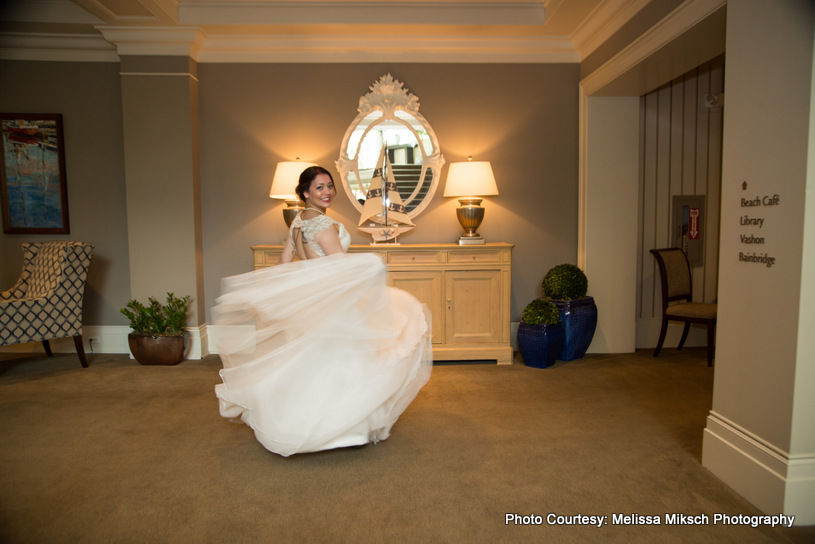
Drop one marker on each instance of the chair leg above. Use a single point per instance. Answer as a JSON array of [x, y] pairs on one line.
[[661, 336], [47, 347], [685, 332], [80, 350], [711, 339]]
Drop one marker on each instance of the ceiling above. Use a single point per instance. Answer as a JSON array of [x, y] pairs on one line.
[[311, 30]]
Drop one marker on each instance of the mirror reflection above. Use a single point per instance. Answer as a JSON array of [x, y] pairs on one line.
[[389, 117], [407, 143]]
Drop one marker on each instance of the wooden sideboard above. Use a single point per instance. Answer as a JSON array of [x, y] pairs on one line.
[[467, 289]]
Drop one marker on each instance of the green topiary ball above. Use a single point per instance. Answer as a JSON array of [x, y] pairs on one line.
[[540, 312], [565, 282]]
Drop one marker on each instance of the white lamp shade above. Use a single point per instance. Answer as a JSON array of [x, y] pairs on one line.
[[286, 176], [473, 178]]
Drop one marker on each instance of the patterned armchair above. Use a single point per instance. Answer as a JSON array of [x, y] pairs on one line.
[[46, 302]]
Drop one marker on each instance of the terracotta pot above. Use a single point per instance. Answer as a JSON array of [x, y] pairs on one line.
[[156, 350]]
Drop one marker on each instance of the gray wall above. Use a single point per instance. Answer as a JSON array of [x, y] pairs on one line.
[[88, 95], [522, 118]]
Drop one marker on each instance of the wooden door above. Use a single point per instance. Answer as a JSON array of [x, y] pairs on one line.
[[473, 306], [426, 286]]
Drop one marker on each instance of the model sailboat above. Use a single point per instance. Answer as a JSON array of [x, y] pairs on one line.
[[384, 216]]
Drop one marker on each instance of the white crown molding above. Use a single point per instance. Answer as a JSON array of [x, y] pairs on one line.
[[603, 22], [324, 12], [436, 49], [684, 17], [136, 35], [56, 47], [191, 41], [166, 41]]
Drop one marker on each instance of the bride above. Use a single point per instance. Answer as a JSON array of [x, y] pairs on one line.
[[323, 354]]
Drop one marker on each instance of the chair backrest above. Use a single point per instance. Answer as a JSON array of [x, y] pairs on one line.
[[22, 288], [51, 265], [674, 271], [45, 268]]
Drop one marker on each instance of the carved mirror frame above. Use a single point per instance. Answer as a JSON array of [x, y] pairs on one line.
[[390, 104]]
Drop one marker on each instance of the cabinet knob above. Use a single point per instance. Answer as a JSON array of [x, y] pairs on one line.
[[449, 303]]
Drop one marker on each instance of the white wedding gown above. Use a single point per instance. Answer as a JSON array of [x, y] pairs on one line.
[[321, 353]]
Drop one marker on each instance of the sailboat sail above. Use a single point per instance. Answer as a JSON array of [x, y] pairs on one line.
[[384, 207]]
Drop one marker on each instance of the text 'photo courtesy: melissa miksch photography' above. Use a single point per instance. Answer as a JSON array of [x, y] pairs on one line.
[[601, 520]]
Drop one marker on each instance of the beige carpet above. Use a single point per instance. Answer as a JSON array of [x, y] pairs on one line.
[[124, 453]]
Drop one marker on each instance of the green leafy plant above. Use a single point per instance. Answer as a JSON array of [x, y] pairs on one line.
[[169, 319], [565, 282], [540, 312]]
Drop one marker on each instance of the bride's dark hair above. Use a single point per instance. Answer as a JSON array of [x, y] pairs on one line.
[[307, 176]]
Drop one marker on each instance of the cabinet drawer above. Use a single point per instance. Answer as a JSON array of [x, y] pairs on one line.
[[475, 256], [266, 258], [414, 257]]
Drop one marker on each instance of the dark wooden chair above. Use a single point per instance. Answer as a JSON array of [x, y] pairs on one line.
[[674, 270]]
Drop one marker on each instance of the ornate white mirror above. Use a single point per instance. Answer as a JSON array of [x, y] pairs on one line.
[[389, 119]]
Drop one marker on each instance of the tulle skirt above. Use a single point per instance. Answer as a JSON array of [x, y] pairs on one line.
[[320, 354]]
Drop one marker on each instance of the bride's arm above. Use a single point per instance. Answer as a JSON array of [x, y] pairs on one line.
[[329, 240], [288, 252]]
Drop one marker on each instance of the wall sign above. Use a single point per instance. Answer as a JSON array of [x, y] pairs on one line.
[[752, 221], [687, 220]]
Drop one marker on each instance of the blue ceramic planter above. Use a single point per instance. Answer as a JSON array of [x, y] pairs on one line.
[[579, 318], [540, 345]]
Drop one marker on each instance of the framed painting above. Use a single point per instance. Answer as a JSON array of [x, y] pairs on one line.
[[33, 188]]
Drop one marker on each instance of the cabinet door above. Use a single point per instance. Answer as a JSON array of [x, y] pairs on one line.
[[426, 286], [473, 300]]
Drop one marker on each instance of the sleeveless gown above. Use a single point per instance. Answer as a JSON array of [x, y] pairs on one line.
[[320, 353]]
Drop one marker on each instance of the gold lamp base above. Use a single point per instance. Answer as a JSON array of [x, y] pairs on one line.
[[293, 207], [470, 214]]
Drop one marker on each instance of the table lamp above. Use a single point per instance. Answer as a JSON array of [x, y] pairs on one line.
[[469, 181], [284, 183]]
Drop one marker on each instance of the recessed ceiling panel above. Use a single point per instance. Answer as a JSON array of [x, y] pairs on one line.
[[126, 8]]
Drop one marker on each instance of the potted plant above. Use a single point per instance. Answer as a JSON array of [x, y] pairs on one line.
[[540, 334], [566, 286], [158, 330]]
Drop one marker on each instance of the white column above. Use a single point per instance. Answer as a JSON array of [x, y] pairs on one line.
[[607, 251], [162, 180], [760, 435]]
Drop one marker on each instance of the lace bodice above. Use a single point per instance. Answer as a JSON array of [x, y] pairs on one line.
[[311, 229]]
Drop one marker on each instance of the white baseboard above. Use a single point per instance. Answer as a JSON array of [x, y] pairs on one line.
[[197, 347], [774, 481], [111, 339], [203, 340]]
